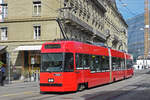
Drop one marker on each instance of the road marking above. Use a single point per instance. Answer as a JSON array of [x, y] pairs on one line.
[[16, 94]]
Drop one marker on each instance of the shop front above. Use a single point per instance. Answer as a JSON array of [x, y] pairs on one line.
[[30, 61]]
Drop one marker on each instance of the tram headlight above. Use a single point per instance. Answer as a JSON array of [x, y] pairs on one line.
[[50, 80]]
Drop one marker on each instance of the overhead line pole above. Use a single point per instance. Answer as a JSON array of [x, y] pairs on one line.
[[146, 30]]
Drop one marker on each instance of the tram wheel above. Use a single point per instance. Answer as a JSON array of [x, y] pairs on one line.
[[114, 80], [81, 87], [124, 77], [41, 92]]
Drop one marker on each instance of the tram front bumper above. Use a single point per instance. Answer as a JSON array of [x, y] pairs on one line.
[[56, 87]]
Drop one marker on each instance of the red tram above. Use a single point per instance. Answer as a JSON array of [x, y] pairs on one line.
[[71, 66]]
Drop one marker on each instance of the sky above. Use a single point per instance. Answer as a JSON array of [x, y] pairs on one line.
[[130, 8]]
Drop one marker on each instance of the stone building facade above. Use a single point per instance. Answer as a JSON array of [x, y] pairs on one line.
[[27, 24]]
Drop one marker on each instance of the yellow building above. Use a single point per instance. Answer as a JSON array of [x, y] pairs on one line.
[[27, 24]]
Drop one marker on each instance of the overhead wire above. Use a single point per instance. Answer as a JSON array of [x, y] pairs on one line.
[[135, 22], [126, 11], [131, 12]]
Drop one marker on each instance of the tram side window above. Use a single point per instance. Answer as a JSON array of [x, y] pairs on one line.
[[104, 63], [119, 63], [69, 66], [129, 64], [82, 61], [99, 63], [95, 63], [86, 61], [107, 63], [114, 63], [78, 61], [122, 64], [92, 67]]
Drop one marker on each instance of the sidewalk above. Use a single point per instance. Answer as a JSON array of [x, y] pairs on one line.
[[21, 83], [17, 88]]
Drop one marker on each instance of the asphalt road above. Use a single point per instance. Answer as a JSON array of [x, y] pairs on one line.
[[135, 88]]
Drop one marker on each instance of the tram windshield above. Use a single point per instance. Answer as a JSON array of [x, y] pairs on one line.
[[57, 62]]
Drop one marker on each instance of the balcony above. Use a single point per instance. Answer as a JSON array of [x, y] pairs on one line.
[[74, 20], [100, 5]]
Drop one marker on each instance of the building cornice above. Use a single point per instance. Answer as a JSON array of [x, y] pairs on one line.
[[12, 41], [116, 10], [32, 19]]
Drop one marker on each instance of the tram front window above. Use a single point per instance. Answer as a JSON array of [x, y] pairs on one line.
[[68, 65], [52, 62], [57, 62]]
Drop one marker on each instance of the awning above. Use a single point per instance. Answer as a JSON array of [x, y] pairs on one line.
[[28, 48], [2, 47]]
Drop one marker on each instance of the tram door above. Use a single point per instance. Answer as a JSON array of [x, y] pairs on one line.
[[81, 67]]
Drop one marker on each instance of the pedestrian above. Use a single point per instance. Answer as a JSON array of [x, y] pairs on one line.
[[3, 74], [0, 76]]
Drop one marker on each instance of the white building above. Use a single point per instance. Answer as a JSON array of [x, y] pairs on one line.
[[141, 64]]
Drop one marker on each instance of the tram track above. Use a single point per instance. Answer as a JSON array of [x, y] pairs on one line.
[[32, 96], [114, 94], [126, 92]]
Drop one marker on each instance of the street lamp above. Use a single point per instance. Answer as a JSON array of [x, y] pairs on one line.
[[141, 28]]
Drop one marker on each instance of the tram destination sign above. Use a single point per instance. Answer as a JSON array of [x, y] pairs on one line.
[[52, 46]]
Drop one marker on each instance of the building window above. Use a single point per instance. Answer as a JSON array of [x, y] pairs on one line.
[[37, 32], [4, 33], [37, 8], [4, 10]]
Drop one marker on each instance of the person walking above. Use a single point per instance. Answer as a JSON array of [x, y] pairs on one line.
[[2, 74]]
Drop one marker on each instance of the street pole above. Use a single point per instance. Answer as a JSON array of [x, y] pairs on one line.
[[146, 31], [8, 65]]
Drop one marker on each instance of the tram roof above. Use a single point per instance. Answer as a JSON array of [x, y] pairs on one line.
[[81, 47]]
